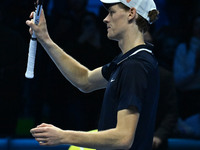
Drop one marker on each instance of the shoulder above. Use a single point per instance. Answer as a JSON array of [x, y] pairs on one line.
[[141, 60], [138, 67]]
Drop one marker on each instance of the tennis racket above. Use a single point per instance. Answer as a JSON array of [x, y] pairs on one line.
[[33, 43]]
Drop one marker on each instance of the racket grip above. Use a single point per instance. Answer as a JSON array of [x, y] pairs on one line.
[[31, 59]]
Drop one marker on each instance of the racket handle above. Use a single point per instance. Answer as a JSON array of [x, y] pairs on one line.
[[31, 59], [33, 44]]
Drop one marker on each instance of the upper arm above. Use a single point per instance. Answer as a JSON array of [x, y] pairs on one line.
[[95, 80], [127, 120]]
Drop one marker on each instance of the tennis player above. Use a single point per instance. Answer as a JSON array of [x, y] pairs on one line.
[[131, 81]]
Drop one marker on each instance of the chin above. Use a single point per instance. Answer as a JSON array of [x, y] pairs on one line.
[[111, 37]]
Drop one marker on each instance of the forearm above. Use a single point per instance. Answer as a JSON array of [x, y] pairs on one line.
[[120, 137], [72, 70], [109, 139]]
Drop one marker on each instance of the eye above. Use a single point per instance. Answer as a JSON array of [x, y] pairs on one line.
[[111, 12]]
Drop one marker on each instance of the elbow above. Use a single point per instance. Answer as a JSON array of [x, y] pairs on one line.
[[85, 89], [126, 143], [82, 86]]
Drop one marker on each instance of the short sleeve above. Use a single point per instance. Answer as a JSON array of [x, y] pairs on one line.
[[132, 85], [108, 69]]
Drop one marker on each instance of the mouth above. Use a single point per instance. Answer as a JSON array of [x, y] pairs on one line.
[[108, 27]]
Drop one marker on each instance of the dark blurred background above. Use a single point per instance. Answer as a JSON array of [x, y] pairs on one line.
[[78, 28]]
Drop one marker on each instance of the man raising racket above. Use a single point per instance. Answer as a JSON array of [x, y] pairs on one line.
[[131, 81]]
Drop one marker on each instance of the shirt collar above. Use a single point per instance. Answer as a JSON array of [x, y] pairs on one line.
[[122, 56]]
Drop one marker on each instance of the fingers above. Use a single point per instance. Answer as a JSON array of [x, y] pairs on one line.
[[31, 24], [39, 136], [30, 31], [42, 128], [37, 130], [44, 134], [31, 15], [42, 141], [42, 16], [44, 125]]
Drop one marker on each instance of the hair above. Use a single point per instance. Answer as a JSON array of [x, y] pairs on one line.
[[142, 23]]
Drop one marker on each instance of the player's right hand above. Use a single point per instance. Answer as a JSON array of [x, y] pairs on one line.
[[40, 30]]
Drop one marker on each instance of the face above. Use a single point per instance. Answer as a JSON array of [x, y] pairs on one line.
[[116, 21]]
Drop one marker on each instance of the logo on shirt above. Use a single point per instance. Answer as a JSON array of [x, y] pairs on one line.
[[128, 1], [112, 80]]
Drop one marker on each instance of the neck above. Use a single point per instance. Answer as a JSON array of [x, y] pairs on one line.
[[131, 40]]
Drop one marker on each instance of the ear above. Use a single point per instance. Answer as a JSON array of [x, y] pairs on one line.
[[132, 13]]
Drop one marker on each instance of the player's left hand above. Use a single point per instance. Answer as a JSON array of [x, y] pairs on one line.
[[47, 134]]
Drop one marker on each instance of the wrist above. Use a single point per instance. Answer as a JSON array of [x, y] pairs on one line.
[[46, 42], [65, 137]]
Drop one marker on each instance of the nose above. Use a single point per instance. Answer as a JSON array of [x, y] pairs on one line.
[[105, 20]]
